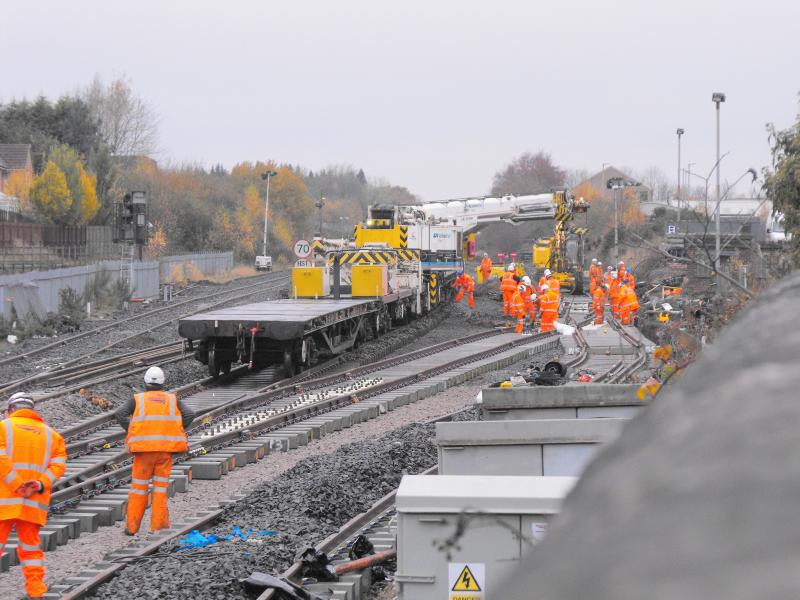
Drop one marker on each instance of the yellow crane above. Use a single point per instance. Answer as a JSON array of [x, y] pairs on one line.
[[563, 252]]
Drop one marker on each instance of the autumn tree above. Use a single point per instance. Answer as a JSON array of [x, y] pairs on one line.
[[528, 174], [82, 186], [126, 122], [51, 196]]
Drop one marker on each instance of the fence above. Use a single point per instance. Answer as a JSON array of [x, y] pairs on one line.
[[210, 263], [37, 292], [32, 246]]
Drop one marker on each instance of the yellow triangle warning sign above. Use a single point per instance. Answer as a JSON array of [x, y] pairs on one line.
[[466, 582]]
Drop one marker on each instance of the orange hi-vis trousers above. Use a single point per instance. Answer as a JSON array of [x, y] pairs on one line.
[[470, 297], [29, 552], [147, 466]]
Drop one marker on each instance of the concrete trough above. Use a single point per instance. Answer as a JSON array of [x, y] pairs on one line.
[[557, 447], [571, 401]]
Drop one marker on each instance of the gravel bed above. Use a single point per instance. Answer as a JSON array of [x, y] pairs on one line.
[[305, 505], [89, 549]]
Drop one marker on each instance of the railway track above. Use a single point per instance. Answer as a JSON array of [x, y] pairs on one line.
[[69, 367], [266, 412]]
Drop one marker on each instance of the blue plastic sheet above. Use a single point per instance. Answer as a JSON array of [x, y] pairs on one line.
[[195, 539]]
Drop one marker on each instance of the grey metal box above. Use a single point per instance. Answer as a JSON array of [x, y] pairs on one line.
[[538, 447], [491, 522], [582, 401]]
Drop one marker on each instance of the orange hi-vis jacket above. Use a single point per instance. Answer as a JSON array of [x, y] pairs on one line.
[[518, 305], [599, 300], [156, 424], [30, 450], [595, 273], [628, 301], [548, 304], [486, 267], [465, 281], [555, 286], [508, 284], [531, 302]]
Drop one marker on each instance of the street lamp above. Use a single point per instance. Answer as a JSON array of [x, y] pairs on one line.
[[717, 98], [267, 175], [680, 132]]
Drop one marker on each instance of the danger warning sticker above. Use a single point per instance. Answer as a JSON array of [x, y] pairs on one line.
[[466, 581]]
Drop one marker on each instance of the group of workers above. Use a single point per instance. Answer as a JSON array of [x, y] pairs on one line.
[[615, 287], [521, 299], [33, 456]]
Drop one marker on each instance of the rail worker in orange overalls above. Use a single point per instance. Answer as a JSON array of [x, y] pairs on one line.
[[599, 303], [518, 308], [548, 303], [466, 285], [508, 285], [615, 294], [554, 284], [608, 277], [629, 303], [155, 421], [486, 267], [595, 275], [623, 273], [32, 457], [531, 300]]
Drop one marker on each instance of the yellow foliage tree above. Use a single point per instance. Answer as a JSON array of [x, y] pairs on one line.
[[587, 191], [631, 210], [51, 195], [157, 244], [19, 186], [90, 203]]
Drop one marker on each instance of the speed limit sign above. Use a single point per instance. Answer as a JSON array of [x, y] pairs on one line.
[[302, 249]]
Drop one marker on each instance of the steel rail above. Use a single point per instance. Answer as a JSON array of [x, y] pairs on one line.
[[36, 377], [145, 314], [85, 484]]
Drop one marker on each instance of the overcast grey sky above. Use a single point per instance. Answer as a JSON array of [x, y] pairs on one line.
[[433, 95]]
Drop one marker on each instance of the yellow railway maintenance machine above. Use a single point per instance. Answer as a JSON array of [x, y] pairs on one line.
[[435, 244], [563, 253]]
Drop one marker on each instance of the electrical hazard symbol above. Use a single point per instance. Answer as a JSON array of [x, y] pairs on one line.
[[466, 581]]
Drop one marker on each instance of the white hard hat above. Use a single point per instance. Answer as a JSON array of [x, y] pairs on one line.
[[600, 263], [545, 287], [526, 280], [20, 400], [547, 272], [154, 375], [610, 268], [622, 262], [485, 255], [510, 267], [594, 260]]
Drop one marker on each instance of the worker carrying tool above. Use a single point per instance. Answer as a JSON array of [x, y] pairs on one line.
[[155, 421], [595, 275], [466, 285], [629, 303], [599, 303], [486, 267], [548, 304], [508, 285], [32, 458], [518, 308]]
